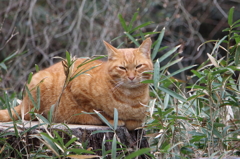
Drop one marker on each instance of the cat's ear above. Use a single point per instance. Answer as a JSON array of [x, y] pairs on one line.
[[145, 47], [112, 51]]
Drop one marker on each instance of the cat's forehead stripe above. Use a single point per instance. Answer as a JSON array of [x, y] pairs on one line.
[[129, 55]]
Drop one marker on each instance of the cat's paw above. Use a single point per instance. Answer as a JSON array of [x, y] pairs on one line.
[[133, 124], [120, 122]]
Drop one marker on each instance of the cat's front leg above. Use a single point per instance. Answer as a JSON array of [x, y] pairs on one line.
[[133, 124]]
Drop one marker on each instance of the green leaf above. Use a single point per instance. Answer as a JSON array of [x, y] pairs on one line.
[[237, 56], [31, 97], [170, 52], [37, 68], [177, 72], [132, 39], [230, 16], [138, 153], [115, 119], [157, 46], [156, 75], [51, 112], [80, 151], [30, 77], [140, 26], [38, 98], [2, 64], [103, 146], [44, 120], [71, 141], [103, 119], [173, 94], [123, 23], [132, 20], [68, 57], [50, 144], [114, 147]]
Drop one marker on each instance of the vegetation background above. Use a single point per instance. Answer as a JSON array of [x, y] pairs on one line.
[[45, 29], [193, 114]]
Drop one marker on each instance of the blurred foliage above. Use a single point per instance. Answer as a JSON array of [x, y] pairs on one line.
[[46, 28]]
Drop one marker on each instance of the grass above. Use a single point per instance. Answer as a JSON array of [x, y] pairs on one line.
[[194, 118]]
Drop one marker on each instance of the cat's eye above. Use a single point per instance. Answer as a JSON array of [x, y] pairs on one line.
[[138, 66], [122, 68]]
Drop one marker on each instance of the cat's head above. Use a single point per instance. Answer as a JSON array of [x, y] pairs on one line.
[[129, 67]]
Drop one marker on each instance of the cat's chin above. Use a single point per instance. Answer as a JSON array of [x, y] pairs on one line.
[[132, 84]]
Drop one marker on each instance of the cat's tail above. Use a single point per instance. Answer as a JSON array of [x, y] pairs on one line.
[[5, 116]]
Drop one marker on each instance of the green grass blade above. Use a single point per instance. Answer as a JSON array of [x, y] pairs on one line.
[[30, 77], [103, 119], [37, 68], [138, 153], [132, 21], [31, 97], [38, 98], [114, 147], [132, 39], [122, 21], [237, 56], [170, 64], [156, 74], [173, 94], [230, 16], [141, 26], [157, 46], [177, 72], [170, 52], [103, 146], [115, 119], [68, 57]]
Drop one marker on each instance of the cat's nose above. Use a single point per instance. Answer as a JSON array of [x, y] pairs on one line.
[[131, 77]]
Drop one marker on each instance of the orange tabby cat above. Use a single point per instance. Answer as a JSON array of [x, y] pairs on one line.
[[115, 83]]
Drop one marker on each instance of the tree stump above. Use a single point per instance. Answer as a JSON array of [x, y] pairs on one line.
[[133, 140]]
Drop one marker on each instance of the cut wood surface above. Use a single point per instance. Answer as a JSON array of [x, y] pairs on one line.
[[132, 139]]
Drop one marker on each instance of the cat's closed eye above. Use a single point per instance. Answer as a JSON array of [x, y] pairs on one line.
[[122, 68], [138, 66]]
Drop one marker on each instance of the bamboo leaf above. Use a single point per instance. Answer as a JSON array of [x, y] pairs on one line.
[[31, 97], [114, 147], [132, 20], [177, 72], [212, 59], [103, 119], [237, 56], [173, 94], [138, 153], [68, 57], [37, 68], [230, 16], [140, 26], [156, 75], [115, 119], [122, 21], [38, 98], [157, 46], [132, 39], [170, 52], [30, 77]]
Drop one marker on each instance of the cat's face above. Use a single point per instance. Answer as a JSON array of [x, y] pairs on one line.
[[129, 67]]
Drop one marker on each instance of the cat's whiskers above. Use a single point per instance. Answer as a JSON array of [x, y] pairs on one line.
[[117, 85]]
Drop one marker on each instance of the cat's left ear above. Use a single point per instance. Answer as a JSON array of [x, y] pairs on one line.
[[112, 51], [145, 47]]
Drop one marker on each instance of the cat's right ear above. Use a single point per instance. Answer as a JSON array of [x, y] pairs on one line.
[[112, 51]]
